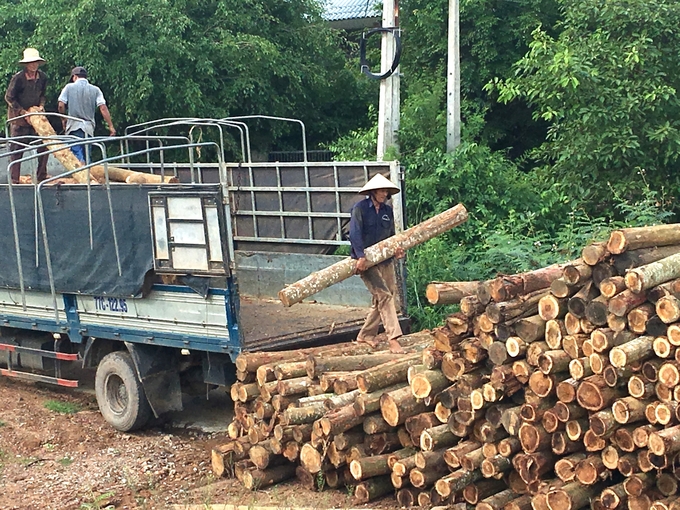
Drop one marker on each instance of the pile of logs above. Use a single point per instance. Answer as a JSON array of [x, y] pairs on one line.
[[556, 389]]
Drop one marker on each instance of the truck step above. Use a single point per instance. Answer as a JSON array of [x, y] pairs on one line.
[[39, 378]]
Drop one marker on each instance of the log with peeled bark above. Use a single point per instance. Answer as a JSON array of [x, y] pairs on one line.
[[645, 277], [449, 293], [375, 254], [643, 237]]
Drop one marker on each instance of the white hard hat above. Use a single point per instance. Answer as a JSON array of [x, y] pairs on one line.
[[379, 181]]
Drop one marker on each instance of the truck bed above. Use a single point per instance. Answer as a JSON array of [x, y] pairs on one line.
[[267, 324]]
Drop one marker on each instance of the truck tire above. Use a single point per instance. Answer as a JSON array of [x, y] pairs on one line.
[[120, 394]]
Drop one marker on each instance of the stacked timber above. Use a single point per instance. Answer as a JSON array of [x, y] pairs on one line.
[[555, 389]]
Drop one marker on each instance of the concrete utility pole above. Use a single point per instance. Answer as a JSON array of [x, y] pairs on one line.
[[388, 109], [453, 79]]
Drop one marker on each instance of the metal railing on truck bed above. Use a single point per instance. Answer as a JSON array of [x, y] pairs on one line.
[[284, 220]]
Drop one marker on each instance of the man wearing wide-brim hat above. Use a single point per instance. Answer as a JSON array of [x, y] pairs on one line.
[[373, 221], [26, 89]]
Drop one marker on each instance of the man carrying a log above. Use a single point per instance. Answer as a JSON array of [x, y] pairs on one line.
[[82, 100], [373, 221], [26, 89]]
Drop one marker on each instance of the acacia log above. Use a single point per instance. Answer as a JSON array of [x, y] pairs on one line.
[[319, 364], [475, 492], [428, 383], [508, 287], [387, 374], [580, 368], [565, 468], [521, 306], [655, 273], [456, 481], [629, 410], [398, 405], [497, 501], [471, 305], [572, 496], [593, 393], [625, 301], [594, 253], [424, 478], [561, 444], [639, 316], [643, 237], [258, 479], [597, 311], [668, 309], [372, 488], [551, 307], [339, 420], [578, 302], [375, 254], [533, 437], [635, 350], [449, 293], [663, 348], [665, 442]]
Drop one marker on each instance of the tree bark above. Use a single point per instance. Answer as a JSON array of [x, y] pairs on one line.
[[398, 405], [643, 237], [428, 383], [645, 277], [636, 349], [593, 393], [259, 479], [375, 254], [373, 488], [456, 481], [625, 301], [387, 374], [449, 293], [508, 287]]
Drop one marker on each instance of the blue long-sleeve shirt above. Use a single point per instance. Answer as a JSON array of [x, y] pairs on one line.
[[368, 226]]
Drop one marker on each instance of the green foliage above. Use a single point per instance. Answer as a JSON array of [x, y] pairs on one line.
[[607, 86], [213, 58], [65, 461], [515, 245], [62, 407]]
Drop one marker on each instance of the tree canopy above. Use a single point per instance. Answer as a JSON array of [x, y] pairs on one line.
[[213, 58]]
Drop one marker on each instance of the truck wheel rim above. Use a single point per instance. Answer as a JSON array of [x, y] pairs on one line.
[[116, 394]]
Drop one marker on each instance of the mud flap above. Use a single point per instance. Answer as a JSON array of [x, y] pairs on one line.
[[157, 370]]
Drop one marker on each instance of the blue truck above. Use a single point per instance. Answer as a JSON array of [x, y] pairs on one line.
[[159, 286]]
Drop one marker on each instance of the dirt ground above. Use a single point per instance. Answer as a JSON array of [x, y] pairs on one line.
[[57, 452]]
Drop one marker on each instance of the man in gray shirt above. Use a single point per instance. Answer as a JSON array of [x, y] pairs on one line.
[[82, 100]]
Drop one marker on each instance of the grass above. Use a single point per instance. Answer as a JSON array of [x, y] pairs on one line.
[[66, 461], [2, 423], [98, 501], [62, 407]]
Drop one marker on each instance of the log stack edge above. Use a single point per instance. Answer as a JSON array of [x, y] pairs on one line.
[[557, 389]]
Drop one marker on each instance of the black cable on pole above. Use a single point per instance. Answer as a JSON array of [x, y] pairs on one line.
[[397, 53]]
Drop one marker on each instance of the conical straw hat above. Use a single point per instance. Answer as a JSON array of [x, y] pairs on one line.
[[378, 181]]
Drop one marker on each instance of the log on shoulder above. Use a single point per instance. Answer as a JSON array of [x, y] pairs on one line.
[[375, 254]]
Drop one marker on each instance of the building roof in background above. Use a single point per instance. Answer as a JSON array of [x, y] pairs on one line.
[[338, 10]]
